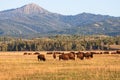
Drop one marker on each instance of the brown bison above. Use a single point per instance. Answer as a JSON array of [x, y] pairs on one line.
[[67, 56], [54, 55], [57, 52], [29, 53], [118, 51], [73, 53], [71, 56], [25, 53], [36, 53], [80, 55], [64, 57], [88, 55], [41, 57], [106, 52]]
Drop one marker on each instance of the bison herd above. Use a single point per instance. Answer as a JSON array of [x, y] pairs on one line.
[[69, 55], [73, 56], [36, 53], [66, 56]]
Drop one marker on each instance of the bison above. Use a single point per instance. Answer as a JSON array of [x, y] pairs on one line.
[[57, 52], [106, 52], [88, 55], [29, 53], [80, 55], [54, 55], [41, 57], [25, 53], [36, 53], [63, 56], [118, 51], [67, 56], [71, 56]]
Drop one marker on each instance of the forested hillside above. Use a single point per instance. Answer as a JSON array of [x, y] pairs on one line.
[[59, 43]]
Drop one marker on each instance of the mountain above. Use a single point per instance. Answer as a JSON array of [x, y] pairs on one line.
[[87, 23], [31, 19]]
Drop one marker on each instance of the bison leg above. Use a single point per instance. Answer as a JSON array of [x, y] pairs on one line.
[[44, 59], [39, 59]]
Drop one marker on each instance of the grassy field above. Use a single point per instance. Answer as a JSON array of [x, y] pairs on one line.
[[16, 66]]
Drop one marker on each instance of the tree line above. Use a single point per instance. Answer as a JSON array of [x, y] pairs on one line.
[[59, 43]]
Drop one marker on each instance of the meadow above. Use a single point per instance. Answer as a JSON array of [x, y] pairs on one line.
[[16, 66]]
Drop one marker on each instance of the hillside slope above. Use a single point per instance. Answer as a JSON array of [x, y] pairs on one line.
[[31, 19]]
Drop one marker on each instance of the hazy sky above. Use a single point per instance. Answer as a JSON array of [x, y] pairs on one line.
[[69, 7]]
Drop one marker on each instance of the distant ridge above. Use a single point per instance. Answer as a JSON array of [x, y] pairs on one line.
[[31, 19]]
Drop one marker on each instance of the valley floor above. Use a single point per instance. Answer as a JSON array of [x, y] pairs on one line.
[[16, 66]]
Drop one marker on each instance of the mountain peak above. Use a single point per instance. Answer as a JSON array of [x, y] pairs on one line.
[[32, 8], [32, 5]]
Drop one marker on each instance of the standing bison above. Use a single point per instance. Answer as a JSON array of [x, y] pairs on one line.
[[88, 55], [118, 51], [36, 53], [25, 53], [80, 55], [71, 56], [67, 56], [41, 57], [54, 55], [63, 56]]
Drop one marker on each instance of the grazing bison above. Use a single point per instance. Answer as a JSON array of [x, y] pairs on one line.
[[106, 52], [73, 53], [57, 52], [63, 56], [29, 53], [71, 56], [67, 56], [25, 53], [41, 57], [54, 55], [118, 51], [80, 55], [88, 55], [36, 53]]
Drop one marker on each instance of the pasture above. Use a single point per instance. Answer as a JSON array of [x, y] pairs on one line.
[[16, 66]]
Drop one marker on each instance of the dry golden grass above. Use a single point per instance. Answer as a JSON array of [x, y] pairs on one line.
[[16, 66]]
